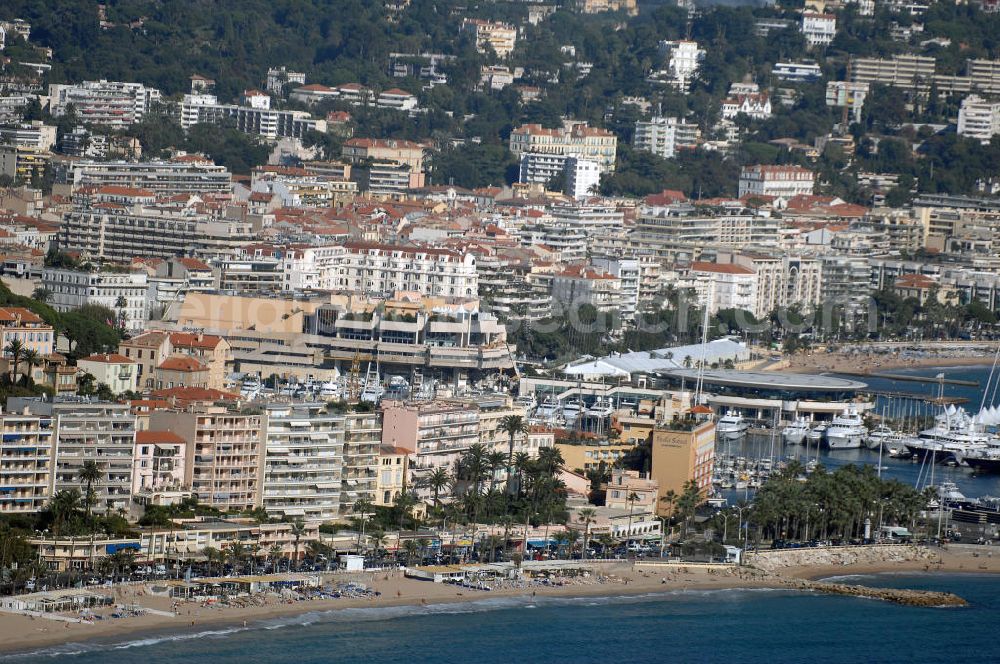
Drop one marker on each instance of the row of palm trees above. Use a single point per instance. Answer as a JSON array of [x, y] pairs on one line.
[[832, 505]]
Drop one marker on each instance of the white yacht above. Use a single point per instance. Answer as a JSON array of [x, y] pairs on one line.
[[796, 431], [816, 434], [953, 437], [731, 426], [884, 437], [328, 390], [846, 431]]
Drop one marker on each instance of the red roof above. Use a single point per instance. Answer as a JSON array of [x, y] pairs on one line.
[[109, 358], [918, 281], [193, 264], [721, 268], [187, 340], [19, 314], [188, 364], [153, 437]]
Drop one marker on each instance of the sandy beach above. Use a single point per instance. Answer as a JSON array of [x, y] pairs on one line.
[[25, 634], [864, 363]]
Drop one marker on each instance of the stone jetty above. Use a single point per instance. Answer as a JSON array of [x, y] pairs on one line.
[[902, 596]]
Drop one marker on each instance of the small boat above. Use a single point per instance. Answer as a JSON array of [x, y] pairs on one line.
[[731, 426], [816, 434], [328, 389], [884, 437], [795, 432]]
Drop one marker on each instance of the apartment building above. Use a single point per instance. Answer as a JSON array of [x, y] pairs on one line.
[[159, 462], [684, 58], [25, 326], [595, 218], [904, 71], [490, 35], [382, 268], [599, 6], [681, 454], [846, 282], [682, 231], [725, 286], [303, 462], [23, 163], [783, 280], [583, 177], [225, 451], [110, 103], [979, 118], [434, 433], [35, 135], [755, 105], [797, 72], [410, 153], [818, 29], [847, 93], [664, 136], [574, 139], [265, 122], [186, 174], [783, 181], [27, 460], [362, 443], [279, 77], [72, 289], [87, 431], [629, 272], [578, 285]]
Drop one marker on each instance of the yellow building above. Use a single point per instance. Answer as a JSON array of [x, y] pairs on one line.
[[390, 480], [681, 454], [591, 455]]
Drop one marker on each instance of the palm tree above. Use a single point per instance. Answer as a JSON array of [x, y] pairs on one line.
[[632, 497], [436, 481], [362, 506], [64, 505], [31, 359], [586, 516], [411, 548], [495, 462], [670, 498], [15, 349], [473, 465], [89, 473], [273, 554], [512, 425], [211, 555], [550, 459], [236, 553], [298, 530]]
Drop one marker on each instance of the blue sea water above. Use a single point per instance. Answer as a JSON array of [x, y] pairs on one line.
[[725, 626]]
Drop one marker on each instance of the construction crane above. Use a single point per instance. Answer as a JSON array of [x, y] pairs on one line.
[[354, 379]]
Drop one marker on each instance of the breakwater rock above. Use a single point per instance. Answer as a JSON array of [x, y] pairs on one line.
[[841, 556], [902, 596]]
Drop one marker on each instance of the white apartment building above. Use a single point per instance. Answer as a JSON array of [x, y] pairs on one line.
[[782, 280], [87, 431], [979, 118], [847, 93], [580, 284], [186, 174], [500, 37], [756, 105], [818, 29], [303, 462], [541, 168], [594, 218], [797, 72], [72, 289], [266, 122], [27, 459], [725, 286], [663, 136], [683, 61], [573, 139], [583, 177], [783, 181], [629, 274], [29, 135], [382, 268], [110, 103]]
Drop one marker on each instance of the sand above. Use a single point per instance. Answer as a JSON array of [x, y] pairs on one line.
[[26, 634], [857, 363]]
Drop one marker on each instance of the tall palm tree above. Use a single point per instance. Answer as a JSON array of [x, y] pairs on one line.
[[211, 555], [670, 498], [632, 497], [31, 359], [474, 465], [298, 530], [411, 548], [14, 349], [64, 505], [364, 507], [550, 459], [436, 482], [586, 516], [273, 554], [89, 473], [495, 462], [512, 425], [237, 552]]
